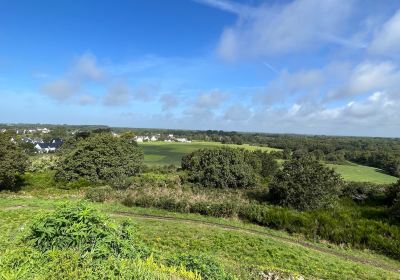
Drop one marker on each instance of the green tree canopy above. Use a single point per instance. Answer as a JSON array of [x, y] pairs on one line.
[[221, 168], [13, 162], [305, 184], [100, 157]]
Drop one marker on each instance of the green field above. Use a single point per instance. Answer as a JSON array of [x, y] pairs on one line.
[[166, 153], [360, 173], [241, 252]]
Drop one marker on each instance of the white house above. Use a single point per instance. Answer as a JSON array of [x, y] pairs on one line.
[[153, 138], [182, 140], [139, 139]]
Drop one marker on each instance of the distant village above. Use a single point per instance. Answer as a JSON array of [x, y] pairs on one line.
[[35, 136], [157, 137]]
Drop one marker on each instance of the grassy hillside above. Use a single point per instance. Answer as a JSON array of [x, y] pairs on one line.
[[165, 153], [243, 253], [360, 173]]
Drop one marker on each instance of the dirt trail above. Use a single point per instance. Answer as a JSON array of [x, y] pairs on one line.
[[287, 240]]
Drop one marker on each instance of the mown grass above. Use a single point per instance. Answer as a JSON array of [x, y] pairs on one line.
[[361, 173], [166, 153], [241, 253]]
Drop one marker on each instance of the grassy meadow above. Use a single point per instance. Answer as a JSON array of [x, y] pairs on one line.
[[166, 153], [361, 173], [242, 253]]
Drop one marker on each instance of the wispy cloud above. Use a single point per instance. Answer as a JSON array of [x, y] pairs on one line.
[[227, 6], [282, 28]]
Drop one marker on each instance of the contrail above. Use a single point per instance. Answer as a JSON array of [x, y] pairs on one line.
[[269, 66]]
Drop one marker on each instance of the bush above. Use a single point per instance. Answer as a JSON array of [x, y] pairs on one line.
[[363, 191], [121, 183], [99, 194], [392, 193], [395, 209], [305, 184], [43, 163], [100, 157], [83, 228], [269, 166], [13, 162], [220, 168], [208, 268]]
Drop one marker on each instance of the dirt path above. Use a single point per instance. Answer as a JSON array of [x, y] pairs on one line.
[[287, 240], [261, 233]]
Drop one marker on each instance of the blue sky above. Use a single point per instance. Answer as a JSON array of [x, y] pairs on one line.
[[301, 66]]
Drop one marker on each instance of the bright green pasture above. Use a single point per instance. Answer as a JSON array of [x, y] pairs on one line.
[[166, 153], [361, 173]]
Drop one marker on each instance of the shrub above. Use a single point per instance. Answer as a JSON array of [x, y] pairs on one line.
[[100, 157], [157, 179], [99, 194], [392, 193], [43, 163], [305, 184], [121, 183], [220, 168], [363, 191], [269, 166], [77, 226], [13, 162], [395, 209], [208, 268]]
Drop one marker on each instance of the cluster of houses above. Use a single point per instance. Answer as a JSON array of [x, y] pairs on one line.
[[169, 138], [42, 146], [33, 130], [141, 139]]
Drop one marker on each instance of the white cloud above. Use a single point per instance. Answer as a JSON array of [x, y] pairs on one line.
[[86, 99], [83, 70], [387, 39], [237, 113], [86, 67], [210, 100], [369, 76], [298, 25], [169, 101], [61, 89], [117, 95]]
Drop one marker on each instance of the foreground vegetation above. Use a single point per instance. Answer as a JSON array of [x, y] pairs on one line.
[[230, 252]]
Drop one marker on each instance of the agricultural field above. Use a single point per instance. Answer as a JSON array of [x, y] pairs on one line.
[[361, 173], [166, 153], [243, 250]]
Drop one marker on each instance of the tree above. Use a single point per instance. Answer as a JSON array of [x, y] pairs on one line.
[[393, 200], [100, 157], [220, 168], [269, 166], [13, 162], [305, 184]]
